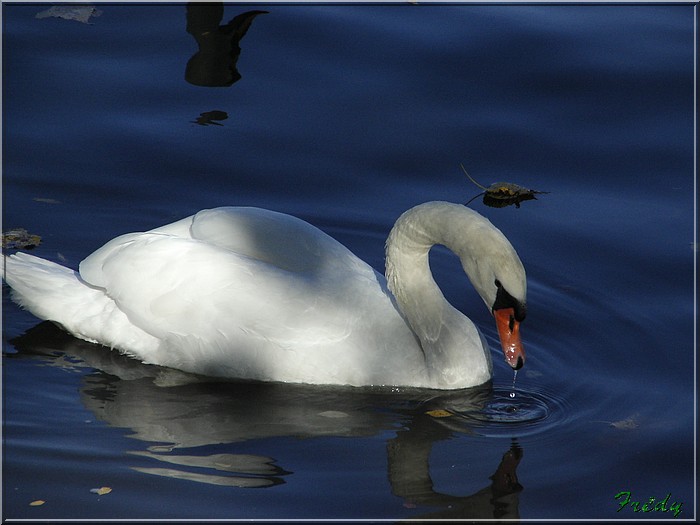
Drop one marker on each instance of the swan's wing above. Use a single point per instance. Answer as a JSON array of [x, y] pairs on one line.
[[170, 285], [204, 302], [265, 296]]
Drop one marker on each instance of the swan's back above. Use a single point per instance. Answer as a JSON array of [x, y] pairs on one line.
[[289, 302], [267, 236]]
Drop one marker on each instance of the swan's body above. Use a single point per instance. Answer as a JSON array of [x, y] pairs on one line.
[[254, 294]]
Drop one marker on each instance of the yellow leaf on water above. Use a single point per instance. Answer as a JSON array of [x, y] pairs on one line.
[[101, 491], [439, 413], [36, 503]]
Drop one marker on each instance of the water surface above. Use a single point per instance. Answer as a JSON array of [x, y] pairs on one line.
[[346, 116]]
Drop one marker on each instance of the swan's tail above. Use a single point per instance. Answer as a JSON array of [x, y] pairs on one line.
[[55, 293]]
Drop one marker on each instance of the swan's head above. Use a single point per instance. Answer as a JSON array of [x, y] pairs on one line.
[[509, 312], [499, 277], [487, 257]]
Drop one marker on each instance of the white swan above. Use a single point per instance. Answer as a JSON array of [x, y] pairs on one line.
[[254, 294]]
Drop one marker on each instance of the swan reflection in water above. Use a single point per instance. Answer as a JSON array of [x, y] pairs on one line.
[[171, 410]]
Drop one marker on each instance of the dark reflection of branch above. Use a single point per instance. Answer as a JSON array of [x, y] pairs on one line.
[[409, 476], [214, 64], [210, 117], [170, 411]]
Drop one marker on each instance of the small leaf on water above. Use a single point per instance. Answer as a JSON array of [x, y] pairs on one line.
[[439, 413], [101, 491], [78, 13], [333, 414], [37, 502], [625, 424], [629, 423], [19, 238]]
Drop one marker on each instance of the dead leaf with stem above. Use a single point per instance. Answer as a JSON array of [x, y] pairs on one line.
[[501, 194]]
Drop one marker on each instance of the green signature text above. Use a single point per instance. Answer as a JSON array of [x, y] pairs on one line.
[[653, 505]]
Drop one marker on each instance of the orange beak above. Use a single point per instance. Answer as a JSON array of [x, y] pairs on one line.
[[509, 333]]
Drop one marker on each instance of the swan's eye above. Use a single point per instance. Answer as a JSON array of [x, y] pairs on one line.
[[505, 300]]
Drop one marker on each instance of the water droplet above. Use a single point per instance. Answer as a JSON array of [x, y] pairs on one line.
[[515, 376]]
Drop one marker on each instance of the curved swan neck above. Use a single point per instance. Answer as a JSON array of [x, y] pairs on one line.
[[407, 259], [463, 231], [447, 337]]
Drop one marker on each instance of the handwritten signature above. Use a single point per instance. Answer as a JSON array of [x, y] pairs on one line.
[[625, 499]]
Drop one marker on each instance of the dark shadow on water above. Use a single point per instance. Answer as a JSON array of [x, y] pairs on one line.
[[170, 411], [211, 118]]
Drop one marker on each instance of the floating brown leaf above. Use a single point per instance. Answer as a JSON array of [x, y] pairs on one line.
[[501, 194]]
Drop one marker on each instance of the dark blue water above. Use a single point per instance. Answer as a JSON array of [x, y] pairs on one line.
[[346, 116]]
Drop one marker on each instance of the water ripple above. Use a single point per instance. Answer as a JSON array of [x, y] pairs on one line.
[[523, 412]]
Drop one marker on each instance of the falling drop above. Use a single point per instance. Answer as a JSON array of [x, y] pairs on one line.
[[515, 375]]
